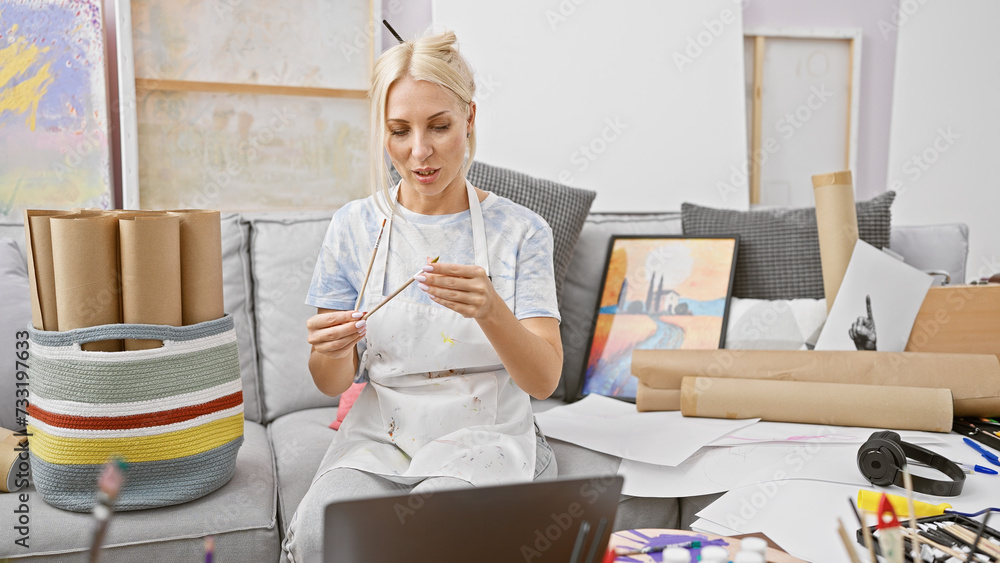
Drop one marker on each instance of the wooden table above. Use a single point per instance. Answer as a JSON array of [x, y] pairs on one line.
[[627, 539]]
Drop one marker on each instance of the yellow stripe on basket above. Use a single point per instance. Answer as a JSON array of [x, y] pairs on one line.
[[171, 445]]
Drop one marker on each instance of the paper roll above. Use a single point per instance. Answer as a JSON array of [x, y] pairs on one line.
[[201, 265], [836, 404], [837, 224], [85, 265], [150, 253], [649, 399], [38, 239], [974, 379], [14, 470]]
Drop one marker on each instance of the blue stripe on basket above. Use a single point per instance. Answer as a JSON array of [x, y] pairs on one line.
[[147, 485], [131, 331]]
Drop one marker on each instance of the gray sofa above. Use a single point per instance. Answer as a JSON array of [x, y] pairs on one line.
[[268, 262]]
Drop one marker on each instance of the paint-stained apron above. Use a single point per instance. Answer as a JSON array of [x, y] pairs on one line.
[[439, 401]]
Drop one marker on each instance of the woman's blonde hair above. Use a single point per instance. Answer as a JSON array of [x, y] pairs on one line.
[[434, 58]]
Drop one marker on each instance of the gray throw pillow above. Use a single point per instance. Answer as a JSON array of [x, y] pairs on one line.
[[563, 208], [778, 255], [15, 316]]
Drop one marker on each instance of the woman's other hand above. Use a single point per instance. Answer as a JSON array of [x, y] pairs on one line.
[[335, 333], [462, 288]]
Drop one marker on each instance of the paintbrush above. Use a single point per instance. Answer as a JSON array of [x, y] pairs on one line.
[[109, 484], [395, 293], [371, 262], [848, 544], [908, 483], [865, 532], [209, 548]]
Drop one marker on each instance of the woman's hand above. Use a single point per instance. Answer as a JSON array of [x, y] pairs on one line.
[[335, 333], [462, 288]]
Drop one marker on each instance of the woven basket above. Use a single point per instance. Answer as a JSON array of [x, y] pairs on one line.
[[174, 414]]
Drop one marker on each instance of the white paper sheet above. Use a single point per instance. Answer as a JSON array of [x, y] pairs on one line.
[[794, 433], [895, 292], [800, 515], [614, 427]]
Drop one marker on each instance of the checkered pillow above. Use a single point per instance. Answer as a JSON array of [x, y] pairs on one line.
[[779, 249], [563, 208]]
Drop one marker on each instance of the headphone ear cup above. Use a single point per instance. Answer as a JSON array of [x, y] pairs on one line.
[[881, 458]]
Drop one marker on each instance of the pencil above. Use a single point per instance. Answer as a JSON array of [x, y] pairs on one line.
[[865, 532], [371, 262], [848, 544], [393, 294]]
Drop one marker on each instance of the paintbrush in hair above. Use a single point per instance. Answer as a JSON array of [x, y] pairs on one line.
[[109, 484]]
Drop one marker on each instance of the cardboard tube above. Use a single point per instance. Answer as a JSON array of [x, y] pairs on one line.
[[85, 263], [837, 404], [9, 461], [201, 265], [837, 224], [38, 239], [150, 253], [969, 376], [649, 399]]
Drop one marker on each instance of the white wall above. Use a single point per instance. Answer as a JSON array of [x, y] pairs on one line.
[[642, 102], [945, 133]]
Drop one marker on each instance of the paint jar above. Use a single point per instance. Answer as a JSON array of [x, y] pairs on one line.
[[754, 545], [676, 555], [714, 554], [748, 557]]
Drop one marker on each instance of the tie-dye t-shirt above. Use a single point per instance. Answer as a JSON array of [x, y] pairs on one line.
[[519, 245]]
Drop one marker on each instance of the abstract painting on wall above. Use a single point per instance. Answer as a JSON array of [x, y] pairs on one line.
[[658, 293], [54, 149]]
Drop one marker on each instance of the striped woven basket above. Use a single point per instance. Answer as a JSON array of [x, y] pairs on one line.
[[174, 414]]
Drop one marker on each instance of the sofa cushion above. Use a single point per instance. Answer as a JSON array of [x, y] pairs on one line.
[[779, 248], [237, 302], [284, 252], [15, 316], [583, 283], [241, 515], [942, 248], [564, 208], [300, 440]]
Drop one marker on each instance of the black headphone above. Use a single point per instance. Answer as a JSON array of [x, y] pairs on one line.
[[881, 460]]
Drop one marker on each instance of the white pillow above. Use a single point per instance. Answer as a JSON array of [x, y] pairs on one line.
[[760, 324]]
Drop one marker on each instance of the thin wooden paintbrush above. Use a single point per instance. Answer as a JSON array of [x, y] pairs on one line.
[[395, 293], [371, 262]]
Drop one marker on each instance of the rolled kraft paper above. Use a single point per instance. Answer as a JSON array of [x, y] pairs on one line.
[[14, 469], [650, 399], [201, 265], [40, 277], [150, 251], [969, 376], [85, 262], [836, 404], [837, 224]]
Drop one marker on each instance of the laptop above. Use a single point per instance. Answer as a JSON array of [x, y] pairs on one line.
[[567, 520]]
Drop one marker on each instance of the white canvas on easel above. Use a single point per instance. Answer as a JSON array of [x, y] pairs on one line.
[[876, 304], [642, 102]]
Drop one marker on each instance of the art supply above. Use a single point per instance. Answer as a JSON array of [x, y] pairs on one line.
[[622, 551], [676, 555], [371, 262], [150, 258], [890, 537], [837, 224], [201, 265], [988, 455], [209, 549], [395, 293], [85, 266], [41, 278], [714, 554], [848, 544], [840, 404], [972, 430], [865, 532], [974, 379], [748, 557], [392, 31], [908, 485], [754, 544], [109, 485]]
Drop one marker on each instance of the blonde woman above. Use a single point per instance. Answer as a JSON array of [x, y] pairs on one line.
[[452, 360]]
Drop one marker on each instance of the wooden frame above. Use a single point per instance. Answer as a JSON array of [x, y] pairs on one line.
[[657, 292], [128, 85], [760, 36]]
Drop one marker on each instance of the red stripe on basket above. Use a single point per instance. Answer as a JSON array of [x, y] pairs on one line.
[[145, 420]]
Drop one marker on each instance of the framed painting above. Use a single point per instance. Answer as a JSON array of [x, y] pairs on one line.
[[658, 293]]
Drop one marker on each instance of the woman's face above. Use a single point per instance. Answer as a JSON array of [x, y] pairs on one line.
[[426, 138]]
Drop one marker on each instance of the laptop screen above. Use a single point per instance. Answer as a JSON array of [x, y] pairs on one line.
[[568, 520]]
